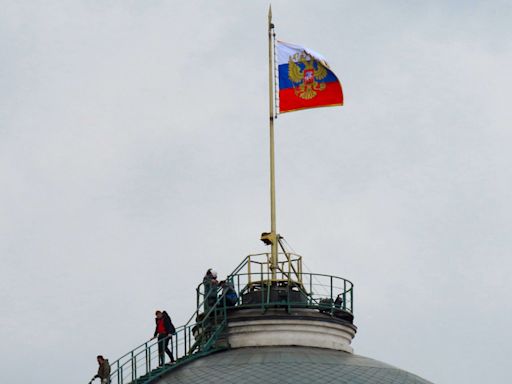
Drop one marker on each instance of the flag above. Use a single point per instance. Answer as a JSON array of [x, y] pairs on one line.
[[305, 80]]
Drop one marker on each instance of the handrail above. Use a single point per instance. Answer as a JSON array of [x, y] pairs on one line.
[[127, 368], [316, 291], [292, 260], [193, 317], [290, 274], [238, 268], [188, 322], [255, 289], [211, 340]]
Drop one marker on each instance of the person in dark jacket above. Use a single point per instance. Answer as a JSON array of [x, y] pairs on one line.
[[229, 292], [164, 330], [210, 289], [338, 303], [103, 370]]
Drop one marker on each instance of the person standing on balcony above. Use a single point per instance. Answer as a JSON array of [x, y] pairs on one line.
[[103, 370], [338, 303], [210, 289], [164, 330]]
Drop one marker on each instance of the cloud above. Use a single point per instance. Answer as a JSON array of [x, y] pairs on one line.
[[133, 156]]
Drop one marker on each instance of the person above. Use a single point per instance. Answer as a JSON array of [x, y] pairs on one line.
[[228, 290], [210, 289], [103, 370], [163, 330], [338, 303]]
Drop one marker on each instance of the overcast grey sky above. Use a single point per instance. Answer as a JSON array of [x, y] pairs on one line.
[[134, 155]]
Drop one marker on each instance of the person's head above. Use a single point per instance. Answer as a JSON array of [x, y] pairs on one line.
[[100, 359], [159, 314], [214, 273]]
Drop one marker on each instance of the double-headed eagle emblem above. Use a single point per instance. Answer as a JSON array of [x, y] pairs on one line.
[[306, 75]]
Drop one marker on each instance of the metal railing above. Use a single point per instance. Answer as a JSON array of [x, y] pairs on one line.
[[190, 341], [324, 292], [255, 288], [289, 268], [196, 337]]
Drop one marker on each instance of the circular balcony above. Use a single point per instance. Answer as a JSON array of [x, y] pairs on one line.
[[282, 306], [257, 286]]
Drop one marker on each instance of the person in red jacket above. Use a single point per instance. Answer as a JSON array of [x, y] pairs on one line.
[[164, 330]]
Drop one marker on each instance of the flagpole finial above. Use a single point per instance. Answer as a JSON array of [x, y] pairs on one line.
[[270, 13]]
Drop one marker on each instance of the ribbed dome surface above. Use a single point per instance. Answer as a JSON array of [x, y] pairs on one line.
[[294, 365]]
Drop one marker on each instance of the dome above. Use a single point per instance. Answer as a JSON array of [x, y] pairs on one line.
[[282, 365], [263, 325]]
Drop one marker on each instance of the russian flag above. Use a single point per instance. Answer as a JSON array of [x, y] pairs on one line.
[[305, 80]]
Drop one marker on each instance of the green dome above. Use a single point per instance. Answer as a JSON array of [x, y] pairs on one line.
[[278, 365]]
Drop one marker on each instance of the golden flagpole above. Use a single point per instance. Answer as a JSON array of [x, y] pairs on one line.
[[273, 230]]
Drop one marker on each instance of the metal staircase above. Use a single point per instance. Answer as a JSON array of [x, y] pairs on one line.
[[257, 287], [194, 339], [200, 336]]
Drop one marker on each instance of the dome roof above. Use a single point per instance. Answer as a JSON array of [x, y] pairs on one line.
[[294, 327], [295, 365]]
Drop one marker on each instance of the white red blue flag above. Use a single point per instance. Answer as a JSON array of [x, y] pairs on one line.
[[305, 80]]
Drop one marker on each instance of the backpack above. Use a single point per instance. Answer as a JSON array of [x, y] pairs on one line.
[[173, 329]]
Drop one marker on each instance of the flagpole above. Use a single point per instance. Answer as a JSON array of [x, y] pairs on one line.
[[273, 230]]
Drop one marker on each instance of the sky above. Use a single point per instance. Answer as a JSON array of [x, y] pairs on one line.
[[134, 156]]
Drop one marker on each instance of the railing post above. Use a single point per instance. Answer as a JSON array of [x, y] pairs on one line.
[[135, 367], [332, 300], [184, 340], [146, 356], [288, 295], [238, 284], [189, 330], [133, 377], [352, 299], [310, 286], [344, 294], [289, 266], [173, 348], [120, 379], [177, 342], [249, 269], [299, 268], [263, 287]]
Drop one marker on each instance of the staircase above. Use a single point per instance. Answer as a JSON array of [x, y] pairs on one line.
[[191, 341], [200, 336], [258, 287]]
